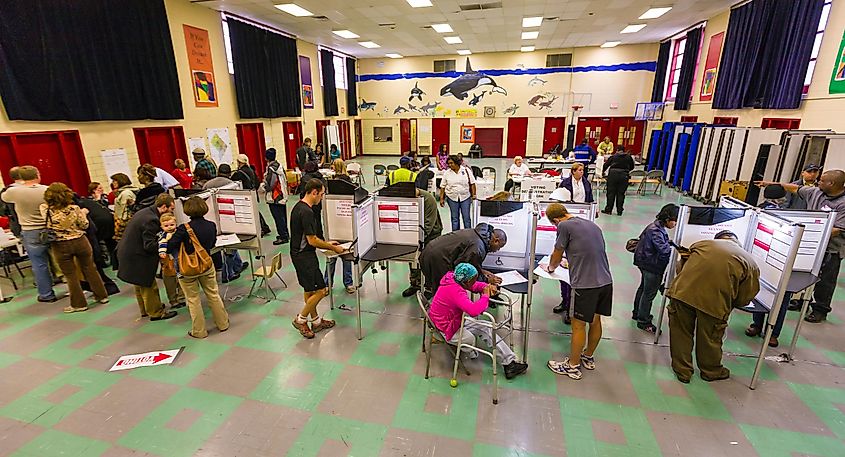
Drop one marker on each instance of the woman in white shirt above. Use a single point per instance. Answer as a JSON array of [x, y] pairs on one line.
[[457, 187], [518, 168]]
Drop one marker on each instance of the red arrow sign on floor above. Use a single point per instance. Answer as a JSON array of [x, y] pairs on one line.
[[154, 358], [161, 356]]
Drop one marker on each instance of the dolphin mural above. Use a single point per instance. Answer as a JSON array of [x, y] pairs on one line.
[[469, 81], [429, 106], [416, 92], [537, 80], [536, 99], [365, 105], [400, 109], [548, 103]]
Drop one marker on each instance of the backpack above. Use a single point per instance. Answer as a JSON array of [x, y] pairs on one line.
[[196, 263]]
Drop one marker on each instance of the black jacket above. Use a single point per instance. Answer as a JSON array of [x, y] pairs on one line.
[[146, 197], [137, 251], [619, 161], [102, 218], [247, 177], [443, 253]]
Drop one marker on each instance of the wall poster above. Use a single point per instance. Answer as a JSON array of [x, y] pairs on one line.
[[201, 66], [711, 64], [467, 134], [305, 79], [837, 80]]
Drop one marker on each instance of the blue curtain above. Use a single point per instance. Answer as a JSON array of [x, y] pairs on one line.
[[766, 53], [351, 87], [660, 75], [685, 80], [329, 88]]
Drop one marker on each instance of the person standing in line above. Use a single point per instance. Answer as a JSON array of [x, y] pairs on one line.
[[457, 187], [828, 196], [714, 277], [583, 243], [151, 190], [605, 148], [303, 254], [424, 175], [182, 174], [27, 198], [201, 231], [97, 194], [809, 177], [233, 265], [432, 228], [618, 169], [126, 193], [304, 154], [442, 157], [276, 186], [164, 178], [249, 181], [139, 261], [9, 209], [71, 247], [652, 256], [203, 163]]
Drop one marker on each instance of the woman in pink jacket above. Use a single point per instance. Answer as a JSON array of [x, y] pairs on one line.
[[452, 300]]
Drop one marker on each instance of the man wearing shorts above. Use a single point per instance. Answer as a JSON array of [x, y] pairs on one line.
[[303, 254], [589, 273]]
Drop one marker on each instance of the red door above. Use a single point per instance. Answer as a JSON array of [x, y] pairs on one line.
[[553, 133], [251, 143], [627, 132], [517, 135], [321, 134], [57, 155], [293, 140], [359, 141], [594, 129], [345, 144], [161, 146], [439, 133], [490, 140], [404, 135]]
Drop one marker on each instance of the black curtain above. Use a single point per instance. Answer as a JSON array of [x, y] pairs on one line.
[[329, 88], [266, 72], [660, 75], [767, 50], [87, 61], [685, 80], [352, 87]]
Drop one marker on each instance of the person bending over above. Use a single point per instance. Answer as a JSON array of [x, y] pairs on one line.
[[470, 246]]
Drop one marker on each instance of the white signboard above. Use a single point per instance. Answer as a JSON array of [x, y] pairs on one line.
[[147, 359], [115, 161]]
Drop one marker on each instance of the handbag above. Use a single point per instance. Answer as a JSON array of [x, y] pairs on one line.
[[631, 245], [47, 235], [196, 263]]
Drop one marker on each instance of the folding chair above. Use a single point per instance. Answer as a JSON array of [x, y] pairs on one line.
[[431, 335], [392, 168], [378, 170], [354, 170], [637, 177], [489, 173], [653, 177], [265, 273], [476, 171]]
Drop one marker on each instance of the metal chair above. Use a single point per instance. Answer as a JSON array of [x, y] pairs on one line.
[[653, 177], [355, 172], [264, 273], [476, 171], [432, 335], [392, 168], [379, 170], [636, 177], [489, 173]]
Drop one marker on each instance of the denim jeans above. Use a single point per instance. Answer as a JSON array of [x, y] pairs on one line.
[[232, 265], [649, 284], [280, 216], [347, 271], [760, 318], [39, 256], [458, 210]]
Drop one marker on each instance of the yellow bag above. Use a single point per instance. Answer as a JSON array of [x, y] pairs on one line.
[[196, 263]]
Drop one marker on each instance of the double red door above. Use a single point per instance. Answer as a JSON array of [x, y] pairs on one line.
[[161, 146], [292, 131], [622, 130], [251, 143], [553, 133], [57, 155]]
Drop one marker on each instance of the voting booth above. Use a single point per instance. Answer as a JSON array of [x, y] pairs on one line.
[[337, 220], [385, 229]]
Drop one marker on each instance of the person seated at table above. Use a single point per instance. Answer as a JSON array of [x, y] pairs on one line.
[[775, 198], [577, 184], [403, 174], [605, 148], [471, 246], [517, 168], [452, 300], [425, 174]]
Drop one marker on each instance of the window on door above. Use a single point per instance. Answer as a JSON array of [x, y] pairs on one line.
[[817, 44]]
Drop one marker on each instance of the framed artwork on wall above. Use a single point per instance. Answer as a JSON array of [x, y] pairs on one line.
[[467, 134]]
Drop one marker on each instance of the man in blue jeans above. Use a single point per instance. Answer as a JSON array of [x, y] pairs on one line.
[[27, 198]]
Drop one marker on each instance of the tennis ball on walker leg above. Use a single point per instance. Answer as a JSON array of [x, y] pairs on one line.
[[453, 383]]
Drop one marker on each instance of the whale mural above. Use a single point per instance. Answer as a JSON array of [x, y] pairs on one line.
[[470, 81]]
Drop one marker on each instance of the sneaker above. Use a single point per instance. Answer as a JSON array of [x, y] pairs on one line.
[[560, 308], [564, 368], [794, 305], [324, 324], [350, 289], [410, 291], [588, 362], [71, 309], [165, 316], [753, 331], [178, 305], [515, 369], [815, 317], [303, 329], [103, 301]]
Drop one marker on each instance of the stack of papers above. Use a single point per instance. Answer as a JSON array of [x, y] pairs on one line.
[[511, 277], [561, 273], [227, 240]]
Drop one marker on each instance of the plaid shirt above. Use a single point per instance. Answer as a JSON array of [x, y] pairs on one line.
[[205, 163]]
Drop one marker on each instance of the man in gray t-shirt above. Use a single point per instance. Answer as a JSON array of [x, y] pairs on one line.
[[828, 196], [583, 243]]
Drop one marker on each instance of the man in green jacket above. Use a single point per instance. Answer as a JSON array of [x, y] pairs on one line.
[[432, 228]]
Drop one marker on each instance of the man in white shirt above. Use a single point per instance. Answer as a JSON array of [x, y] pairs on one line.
[[518, 168]]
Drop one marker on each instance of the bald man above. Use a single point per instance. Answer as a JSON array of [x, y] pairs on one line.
[[828, 196]]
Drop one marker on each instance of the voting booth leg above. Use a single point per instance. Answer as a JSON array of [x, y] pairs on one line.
[[330, 282], [804, 306], [387, 276], [358, 299], [761, 356], [660, 320]]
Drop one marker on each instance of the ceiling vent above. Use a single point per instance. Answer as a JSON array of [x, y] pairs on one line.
[[480, 6], [389, 25], [320, 18]]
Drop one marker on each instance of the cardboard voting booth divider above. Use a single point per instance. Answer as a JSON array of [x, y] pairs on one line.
[[337, 220]]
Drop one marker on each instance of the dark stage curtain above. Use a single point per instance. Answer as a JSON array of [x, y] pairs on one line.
[[657, 94], [766, 52], [266, 72], [329, 88], [352, 87], [685, 81], [87, 60]]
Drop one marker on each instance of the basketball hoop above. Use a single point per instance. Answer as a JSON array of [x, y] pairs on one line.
[[577, 108]]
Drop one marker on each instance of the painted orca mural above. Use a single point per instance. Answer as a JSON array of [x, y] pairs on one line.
[[416, 92], [477, 98], [469, 81], [365, 105]]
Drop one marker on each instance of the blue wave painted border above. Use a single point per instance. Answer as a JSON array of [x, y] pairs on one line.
[[634, 66]]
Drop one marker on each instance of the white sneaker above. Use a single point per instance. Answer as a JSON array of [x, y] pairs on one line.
[[564, 368]]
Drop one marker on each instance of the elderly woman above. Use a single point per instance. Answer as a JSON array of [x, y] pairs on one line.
[[452, 300], [71, 247], [519, 169]]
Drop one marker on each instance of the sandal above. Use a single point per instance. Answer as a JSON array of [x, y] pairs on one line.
[[303, 329], [323, 325]]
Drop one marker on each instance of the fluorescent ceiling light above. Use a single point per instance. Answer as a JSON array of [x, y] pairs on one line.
[[419, 3], [393, 55], [345, 34], [369, 44], [464, 52], [527, 48], [633, 28], [294, 10], [532, 21], [611, 44], [530, 35], [654, 13], [453, 39], [442, 28]]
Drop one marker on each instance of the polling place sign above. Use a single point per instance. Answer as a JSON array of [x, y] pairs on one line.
[[147, 359]]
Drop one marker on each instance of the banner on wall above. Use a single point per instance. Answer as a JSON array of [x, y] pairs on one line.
[[837, 80], [305, 77], [711, 64], [472, 112], [201, 66]]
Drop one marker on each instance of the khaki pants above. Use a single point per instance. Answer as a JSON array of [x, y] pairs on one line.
[[208, 282], [686, 322], [174, 292], [68, 253], [149, 300]]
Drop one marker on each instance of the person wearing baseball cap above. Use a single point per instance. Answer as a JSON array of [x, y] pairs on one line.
[[809, 177], [203, 162], [403, 174]]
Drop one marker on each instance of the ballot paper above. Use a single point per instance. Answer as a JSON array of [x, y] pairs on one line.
[[511, 277], [560, 273], [346, 247], [227, 240]]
